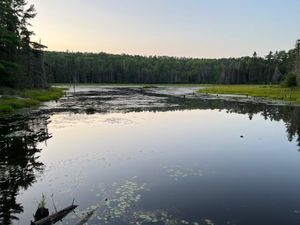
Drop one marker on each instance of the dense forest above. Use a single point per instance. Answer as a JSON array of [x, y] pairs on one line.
[[65, 67], [25, 64], [21, 60]]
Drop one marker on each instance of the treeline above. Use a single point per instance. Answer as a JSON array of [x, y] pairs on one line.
[[21, 60], [108, 68], [66, 67], [24, 64]]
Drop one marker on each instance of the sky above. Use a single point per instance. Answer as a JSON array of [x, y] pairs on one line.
[[182, 28]]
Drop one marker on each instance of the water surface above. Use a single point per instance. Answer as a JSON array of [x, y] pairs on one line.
[[152, 157]]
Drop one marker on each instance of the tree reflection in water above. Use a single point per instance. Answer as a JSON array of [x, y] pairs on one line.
[[290, 115], [19, 163], [19, 136]]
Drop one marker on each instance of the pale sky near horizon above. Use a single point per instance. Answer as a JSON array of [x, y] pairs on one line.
[[184, 28]]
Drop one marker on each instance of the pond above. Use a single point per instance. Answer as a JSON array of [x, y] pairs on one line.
[[152, 156]]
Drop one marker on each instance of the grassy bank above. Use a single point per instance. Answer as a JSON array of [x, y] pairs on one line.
[[274, 92], [127, 84], [12, 99]]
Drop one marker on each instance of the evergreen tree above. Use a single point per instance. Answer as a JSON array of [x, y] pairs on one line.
[[18, 54], [297, 60]]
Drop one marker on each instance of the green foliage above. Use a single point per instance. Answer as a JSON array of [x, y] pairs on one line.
[[149, 86], [68, 67], [290, 81], [9, 104], [21, 63], [4, 108], [42, 203], [43, 94], [121, 69], [17, 99], [265, 91]]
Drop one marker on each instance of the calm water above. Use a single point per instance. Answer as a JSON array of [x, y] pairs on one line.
[[146, 157]]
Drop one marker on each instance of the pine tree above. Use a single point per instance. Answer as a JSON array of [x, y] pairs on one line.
[[9, 42], [19, 56], [297, 60]]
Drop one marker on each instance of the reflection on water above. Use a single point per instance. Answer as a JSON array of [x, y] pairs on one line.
[[19, 162], [153, 159], [288, 114]]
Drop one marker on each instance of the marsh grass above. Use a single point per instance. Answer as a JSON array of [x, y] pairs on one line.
[[150, 86], [143, 85], [43, 95], [274, 92], [12, 99]]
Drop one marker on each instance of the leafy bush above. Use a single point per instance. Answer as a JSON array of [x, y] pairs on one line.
[[290, 80]]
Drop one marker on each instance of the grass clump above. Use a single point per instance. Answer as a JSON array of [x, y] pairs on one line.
[[10, 104], [17, 103], [274, 92], [43, 95], [149, 86], [5, 108], [12, 99]]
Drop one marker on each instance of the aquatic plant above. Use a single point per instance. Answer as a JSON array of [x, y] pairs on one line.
[[177, 172], [42, 203], [90, 110]]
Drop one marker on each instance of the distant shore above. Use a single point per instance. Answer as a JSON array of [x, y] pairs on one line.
[[262, 93], [12, 100]]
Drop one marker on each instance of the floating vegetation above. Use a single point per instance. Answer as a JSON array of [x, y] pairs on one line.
[[126, 196], [297, 211], [120, 204], [87, 216], [158, 216], [209, 222], [177, 172]]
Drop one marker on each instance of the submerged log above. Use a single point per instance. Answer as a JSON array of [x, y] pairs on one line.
[[55, 217]]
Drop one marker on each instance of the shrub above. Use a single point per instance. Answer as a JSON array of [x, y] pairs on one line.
[[290, 80]]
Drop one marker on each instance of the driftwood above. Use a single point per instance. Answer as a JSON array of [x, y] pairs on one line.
[[55, 217]]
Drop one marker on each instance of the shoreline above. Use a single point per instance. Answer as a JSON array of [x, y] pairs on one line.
[[244, 99], [267, 94], [12, 100], [17, 100]]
